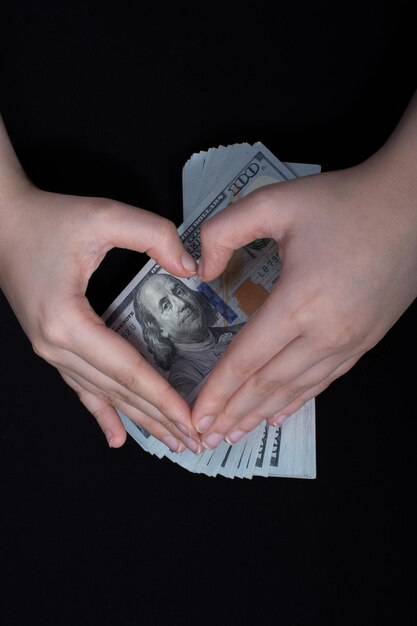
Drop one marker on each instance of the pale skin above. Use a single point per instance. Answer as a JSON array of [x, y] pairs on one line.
[[50, 244], [348, 241], [176, 310]]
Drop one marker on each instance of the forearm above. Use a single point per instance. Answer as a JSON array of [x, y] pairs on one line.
[[402, 144], [14, 185], [397, 160], [12, 176]]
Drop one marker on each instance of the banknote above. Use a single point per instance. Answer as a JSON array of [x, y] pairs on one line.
[[183, 326]]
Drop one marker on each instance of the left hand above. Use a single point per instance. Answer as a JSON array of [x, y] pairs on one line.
[[347, 240]]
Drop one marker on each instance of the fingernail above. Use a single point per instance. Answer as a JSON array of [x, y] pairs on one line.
[[192, 445], [279, 420], [189, 263], [183, 429], [235, 436], [109, 437], [205, 423], [172, 443], [212, 440]]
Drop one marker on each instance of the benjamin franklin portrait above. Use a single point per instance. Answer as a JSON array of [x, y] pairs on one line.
[[178, 326]]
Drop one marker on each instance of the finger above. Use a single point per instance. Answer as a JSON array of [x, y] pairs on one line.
[[106, 416], [320, 375], [232, 228], [313, 381], [166, 433], [281, 370], [281, 417], [155, 423], [110, 391], [278, 420], [108, 353], [136, 229], [286, 412], [255, 345], [105, 388]]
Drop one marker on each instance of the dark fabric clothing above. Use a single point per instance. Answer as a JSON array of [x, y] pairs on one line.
[[110, 99], [109, 102]]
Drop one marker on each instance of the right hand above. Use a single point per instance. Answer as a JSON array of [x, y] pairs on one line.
[[347, 241], [50, 244]]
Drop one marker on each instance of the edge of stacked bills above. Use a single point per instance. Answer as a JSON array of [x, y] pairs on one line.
[[213, 179]]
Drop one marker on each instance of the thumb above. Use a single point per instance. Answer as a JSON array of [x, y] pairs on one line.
[[233, 227], [136, 229]]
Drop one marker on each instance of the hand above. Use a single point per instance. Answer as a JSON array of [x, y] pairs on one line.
[[50, 245], [348, 244]]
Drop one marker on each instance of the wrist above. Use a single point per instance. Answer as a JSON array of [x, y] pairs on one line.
[[16, 199], [12, 176], [397, 163]]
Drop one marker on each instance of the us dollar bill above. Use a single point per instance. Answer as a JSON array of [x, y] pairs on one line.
[[182, 326]]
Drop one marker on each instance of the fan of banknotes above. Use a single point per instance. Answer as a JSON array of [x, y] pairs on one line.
[[212, 180]]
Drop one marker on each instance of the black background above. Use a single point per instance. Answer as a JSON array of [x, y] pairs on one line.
[[106, 101]]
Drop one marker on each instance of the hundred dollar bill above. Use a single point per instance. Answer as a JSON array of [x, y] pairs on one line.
[[183, 326], [201, 173]]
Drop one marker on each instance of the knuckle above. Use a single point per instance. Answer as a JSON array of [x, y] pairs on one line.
[[165, 423], [166, 231], [226, 420], [244, 366], [298, 402], [336, 333], [126, 378], [263, 386], [114, 397], [40, 348], [287, 395], [292, 392], [46, 350], [98, 413], [301, 315], [53, 331], [164, 392], [332, 377], [253, 419], [339, 335], [213, 397], [166, 401]]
